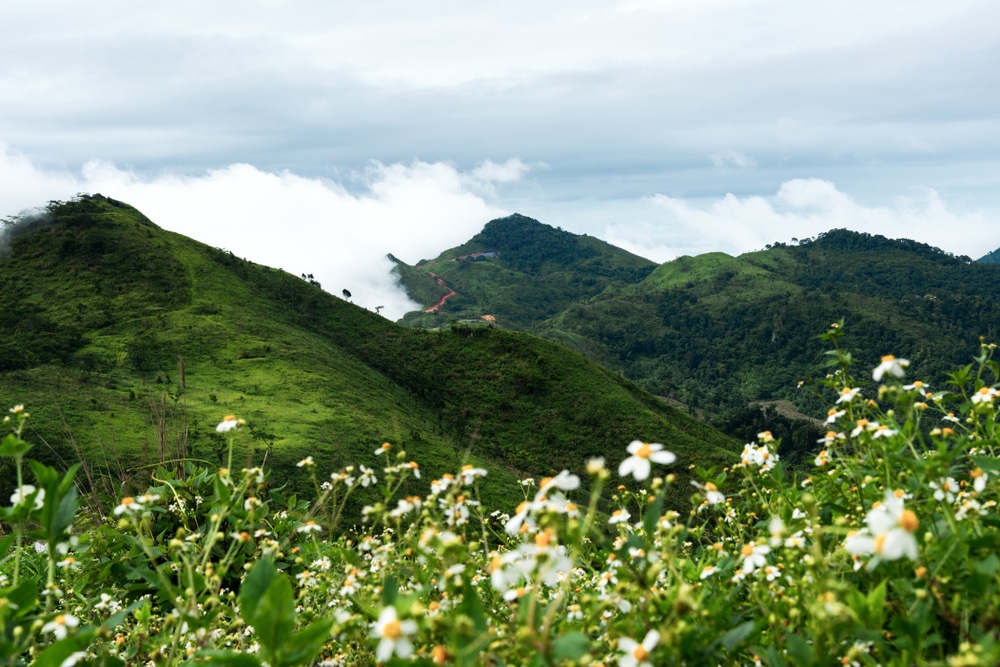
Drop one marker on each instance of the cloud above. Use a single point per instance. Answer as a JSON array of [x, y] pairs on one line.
[[801, 208], [300, 224], [731, 158]]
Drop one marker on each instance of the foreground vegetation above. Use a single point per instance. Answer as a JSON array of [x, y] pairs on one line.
[[885, 552]]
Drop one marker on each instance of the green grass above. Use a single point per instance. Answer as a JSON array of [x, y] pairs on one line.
[[104, 308]]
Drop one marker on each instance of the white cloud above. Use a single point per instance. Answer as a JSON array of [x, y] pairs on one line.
[[801, 208], [300, 224], [731, 158]]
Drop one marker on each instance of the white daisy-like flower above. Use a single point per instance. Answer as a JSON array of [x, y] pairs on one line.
[[890, 537], [619, 516], [393, 635], [979, 479], [25, 492], [128, 504], [307, 462], [754, 556], [635, 653], [891, 365], [944, 489], [309, 527], [711, 491], [60, 625], [638, 465], [847, 395], [228, 423], [984, 395]]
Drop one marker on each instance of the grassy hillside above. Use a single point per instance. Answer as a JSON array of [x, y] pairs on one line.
[[730, 337], [130, 343], [520, 272]]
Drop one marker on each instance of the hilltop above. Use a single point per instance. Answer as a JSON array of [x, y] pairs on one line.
[[128, 343], [727, 336]]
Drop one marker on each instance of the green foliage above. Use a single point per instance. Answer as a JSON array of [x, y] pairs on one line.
[[132, 342], [882, 551]]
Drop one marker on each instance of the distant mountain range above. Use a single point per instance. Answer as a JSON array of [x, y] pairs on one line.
[[721, 335], [128, 344]]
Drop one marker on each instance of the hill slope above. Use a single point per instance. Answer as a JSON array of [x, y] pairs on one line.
[[725, 335], [519, 271], [132, 342]]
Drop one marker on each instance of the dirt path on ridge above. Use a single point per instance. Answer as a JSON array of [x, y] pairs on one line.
[[440, 302]]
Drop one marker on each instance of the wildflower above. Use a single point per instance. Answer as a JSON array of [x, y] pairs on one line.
[[25, 492], [73, 658], [309, 527], [944, 489], [979, 478], [638, 465], [60, 625], [754, 556], [712, 493], [469, 473], [890, 365], [128, 504], [917, 386], [822, 458], [892, 527], [367, 477], [883, 431], [847, 395], [228, 423], [634, 653], [392, 634], [307, 462], [708, 571], [833, 414], [595, 466], [383, 448], [984, 395], [619, 516], [759, 456], [414, 468]]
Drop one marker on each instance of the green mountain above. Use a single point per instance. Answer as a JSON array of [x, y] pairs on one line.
[[518, 272], [991, 258], [726, 336], [129, 343]]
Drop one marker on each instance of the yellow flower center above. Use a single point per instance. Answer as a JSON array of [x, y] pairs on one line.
[[747, 550], [645, 451], [640, 653], [879, 542], [888, 357], [899, 493], [229, 418], [976, 474], [711, 487], [909, 521], [393, 630]]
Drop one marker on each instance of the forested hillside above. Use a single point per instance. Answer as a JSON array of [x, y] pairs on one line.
[[129, 343]]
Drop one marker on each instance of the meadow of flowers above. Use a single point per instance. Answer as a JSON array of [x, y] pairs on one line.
[[884, 552]]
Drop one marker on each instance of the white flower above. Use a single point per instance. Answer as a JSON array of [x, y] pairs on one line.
[[635, 654], [25, 492], [564, 481], [228, 423], [980, 478], [73, 658], [847, 395], [393, 635], [754, 556], [619, 516], [60, 625], [711, 491], [128, 504], [892, 366], [944, 489], [638, 465], [984, 395], [309, 527], [470, 473], [891, 529], [307, 462]]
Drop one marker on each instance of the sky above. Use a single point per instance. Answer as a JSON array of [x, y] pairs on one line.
[[317, 136]]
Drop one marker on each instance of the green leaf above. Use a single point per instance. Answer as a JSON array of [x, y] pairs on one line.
[[572, 646], [23, 596], [64, 515], [304, 645], [56, 653], [735, 636], [254, 585], [390, 589], [799, 649], [274, 617], [988, 566], [228, 658], [13, 447]]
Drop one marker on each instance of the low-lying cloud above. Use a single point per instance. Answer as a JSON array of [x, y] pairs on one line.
[[302, 225], [801, 208]]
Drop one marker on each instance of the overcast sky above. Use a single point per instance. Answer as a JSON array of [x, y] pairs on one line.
[[317, 136]]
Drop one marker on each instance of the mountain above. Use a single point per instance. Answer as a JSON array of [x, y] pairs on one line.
[[129, 343], [726, 335], [991, 258], [518, 272]]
